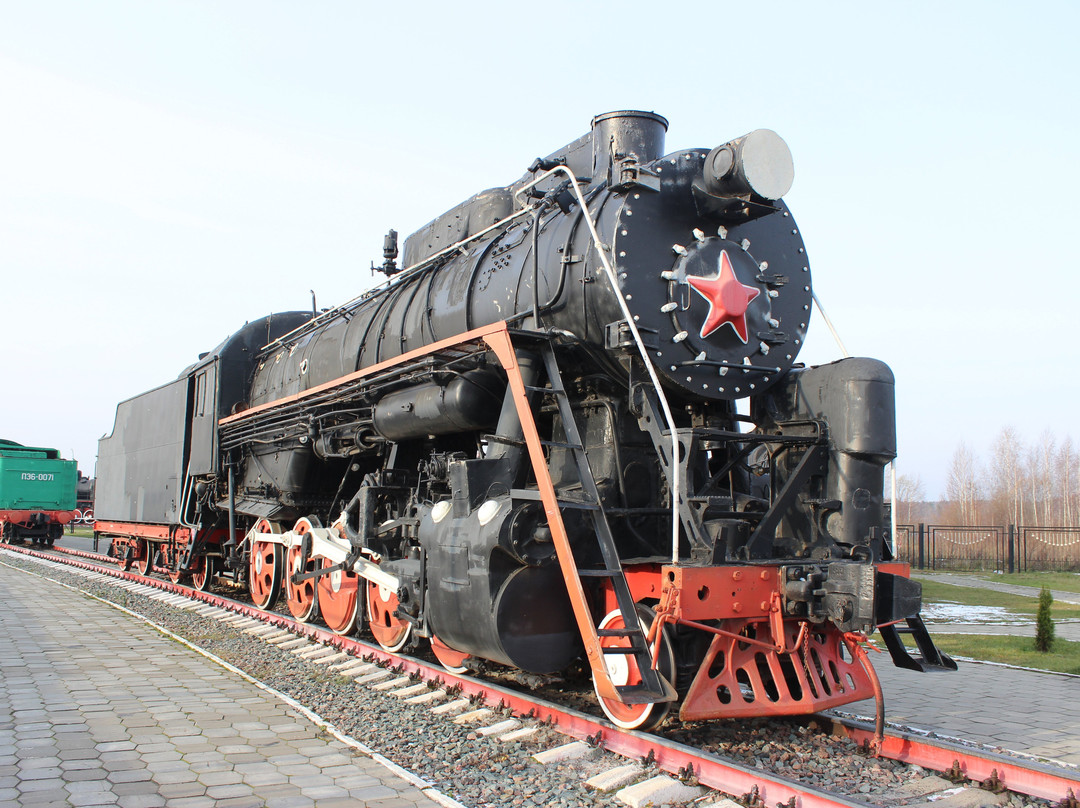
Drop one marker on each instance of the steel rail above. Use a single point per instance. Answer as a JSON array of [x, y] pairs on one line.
[[1026, 777]]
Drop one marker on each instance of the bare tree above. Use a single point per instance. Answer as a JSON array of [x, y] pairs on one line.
[[1067, 472], [909, 493], [1006, 477], [962, 486]]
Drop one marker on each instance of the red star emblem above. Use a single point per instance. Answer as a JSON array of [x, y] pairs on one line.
[[728, 299]]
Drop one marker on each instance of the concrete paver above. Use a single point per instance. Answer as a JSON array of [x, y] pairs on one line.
[[1021, 710], [97, 708]]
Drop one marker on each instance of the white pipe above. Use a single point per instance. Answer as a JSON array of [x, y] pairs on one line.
[[828, 323], [892, 510], [610, 272]]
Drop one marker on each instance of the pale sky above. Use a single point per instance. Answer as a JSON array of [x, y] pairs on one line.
[[169, 170]]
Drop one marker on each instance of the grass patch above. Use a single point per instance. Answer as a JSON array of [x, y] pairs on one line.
[[937, 592], [1065, 658], [84, 532], [1063, 581]]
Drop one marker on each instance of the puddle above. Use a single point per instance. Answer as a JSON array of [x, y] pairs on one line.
[[959, 613]]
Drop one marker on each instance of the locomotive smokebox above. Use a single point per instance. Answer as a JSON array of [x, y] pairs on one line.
[[617, 135]]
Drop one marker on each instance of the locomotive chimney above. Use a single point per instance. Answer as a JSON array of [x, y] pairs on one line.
[[616, 135]]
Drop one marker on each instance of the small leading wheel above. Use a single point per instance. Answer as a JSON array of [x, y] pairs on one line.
[[390, 631], [338, 599], [302, 597], [144, 556], [450, 659], [623, 670], [203, 570], [266, 566]]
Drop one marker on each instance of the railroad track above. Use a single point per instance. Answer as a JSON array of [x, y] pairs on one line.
[[490, 710]]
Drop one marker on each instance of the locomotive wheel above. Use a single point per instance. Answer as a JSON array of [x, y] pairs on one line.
[[302, 598], [266, 567], [203, 570], [389, 631], [623, 670], [339, 597], [449, 658], [144, 560], [176, 575]]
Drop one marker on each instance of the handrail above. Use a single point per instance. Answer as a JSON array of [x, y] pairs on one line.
[[676, 494], [397, 278]]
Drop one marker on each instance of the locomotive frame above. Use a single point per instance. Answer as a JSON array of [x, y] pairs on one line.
[[512, 480]]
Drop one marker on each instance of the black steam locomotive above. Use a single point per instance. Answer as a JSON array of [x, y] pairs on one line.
[[524, 446]]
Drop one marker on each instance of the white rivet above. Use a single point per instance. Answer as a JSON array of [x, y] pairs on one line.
[[678, 249], [773, 293], [680, 336], [698, 234], [700, 357], [723, 371], [667, 275], [745, 244], [763, 348], [622, 254], [764, 265], [774, 323], [721, 231], [669, 307]]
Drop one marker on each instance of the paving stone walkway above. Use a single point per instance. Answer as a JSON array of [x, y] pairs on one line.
[[97, 708], [1025, 711]]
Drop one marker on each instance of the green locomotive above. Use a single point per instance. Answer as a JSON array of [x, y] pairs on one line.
[[37, 493]]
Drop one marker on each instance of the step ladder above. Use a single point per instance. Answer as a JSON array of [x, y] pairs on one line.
[[653, 687], [930, 659]]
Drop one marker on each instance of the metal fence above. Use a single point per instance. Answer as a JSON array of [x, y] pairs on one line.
[[1007, 548]]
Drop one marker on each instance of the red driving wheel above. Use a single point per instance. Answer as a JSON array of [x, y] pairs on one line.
[[266, 566], [302, 597]]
